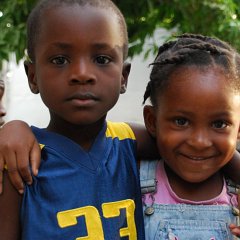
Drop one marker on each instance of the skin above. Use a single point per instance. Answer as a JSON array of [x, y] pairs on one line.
[[87, 63], [2, 115], [87, 66], [196, 130], [79, 75], [2, 109]]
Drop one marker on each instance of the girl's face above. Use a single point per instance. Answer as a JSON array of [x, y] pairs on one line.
[[78, 65], [196, 122]]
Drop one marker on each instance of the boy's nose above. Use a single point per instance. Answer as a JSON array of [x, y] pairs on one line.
[[199, 139], [82, 73]]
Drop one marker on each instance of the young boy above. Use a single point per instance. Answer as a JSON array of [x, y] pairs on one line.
[[88, 185]]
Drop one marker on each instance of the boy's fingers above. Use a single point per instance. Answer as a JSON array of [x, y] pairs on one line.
[[22, 160], [1, 182], [25, 174], [13, 173], [16, 180], [1, 174], [235, 230], [35, 158]]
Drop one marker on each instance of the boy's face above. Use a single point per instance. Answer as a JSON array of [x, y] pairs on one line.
[[78, 67], [2, 109], [196, 122]]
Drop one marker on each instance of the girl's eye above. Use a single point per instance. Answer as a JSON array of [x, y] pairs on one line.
[[220, 124], [59, 60], [182, 122], [102, 60]]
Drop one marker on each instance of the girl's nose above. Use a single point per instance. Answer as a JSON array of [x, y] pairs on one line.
[[199, 139]]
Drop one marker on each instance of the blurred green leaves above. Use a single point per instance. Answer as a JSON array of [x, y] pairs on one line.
[[12, 28], [218, 18]]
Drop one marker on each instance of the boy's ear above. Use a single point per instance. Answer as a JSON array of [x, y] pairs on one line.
[[125, 74], [150, 119], [30, 72]]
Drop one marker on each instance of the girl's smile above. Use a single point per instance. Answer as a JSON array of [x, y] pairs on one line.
[[197, 128]]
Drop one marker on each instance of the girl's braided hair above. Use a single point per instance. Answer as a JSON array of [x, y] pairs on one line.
[[192, 50]]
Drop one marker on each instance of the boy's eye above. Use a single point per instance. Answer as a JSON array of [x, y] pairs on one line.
[[220, 124], [102, 60], [183, 122], [59, 60]]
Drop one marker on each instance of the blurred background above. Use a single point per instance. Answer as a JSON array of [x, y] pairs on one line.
[[150, 23]]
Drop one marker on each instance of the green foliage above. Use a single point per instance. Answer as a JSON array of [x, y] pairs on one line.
[[12, 24], [218, 18]]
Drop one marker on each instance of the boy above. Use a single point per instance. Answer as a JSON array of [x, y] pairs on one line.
[[88, 185]]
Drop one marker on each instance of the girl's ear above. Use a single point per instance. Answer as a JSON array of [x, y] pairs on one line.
[[150, 119], [30, 72], [125, 74]]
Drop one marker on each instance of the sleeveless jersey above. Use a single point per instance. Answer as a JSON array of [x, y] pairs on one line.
[[92, 195]]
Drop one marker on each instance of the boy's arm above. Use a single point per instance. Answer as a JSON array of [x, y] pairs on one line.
[[19, 150], [232, 169], [235, 230], [10, 202], [146, 144]]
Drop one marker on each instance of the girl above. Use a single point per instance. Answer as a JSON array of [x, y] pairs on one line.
[[194, 90]]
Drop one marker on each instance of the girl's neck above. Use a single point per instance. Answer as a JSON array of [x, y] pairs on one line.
[[202, 191]]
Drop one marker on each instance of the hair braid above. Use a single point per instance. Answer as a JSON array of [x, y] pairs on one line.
[[189, 50], [165, 47], [194, 36], [205, 47]]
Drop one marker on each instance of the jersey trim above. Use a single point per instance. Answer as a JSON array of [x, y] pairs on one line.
[[119, 130]]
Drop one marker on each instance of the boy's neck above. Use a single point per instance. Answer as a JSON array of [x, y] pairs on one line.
[[202, 191], [84, 135]]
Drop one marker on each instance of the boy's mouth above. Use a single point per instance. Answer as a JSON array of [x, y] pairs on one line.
[[83, 96], [83, 99]]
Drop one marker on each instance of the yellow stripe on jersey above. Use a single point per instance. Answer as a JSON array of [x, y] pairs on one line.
[[41, 146], [119, 130]]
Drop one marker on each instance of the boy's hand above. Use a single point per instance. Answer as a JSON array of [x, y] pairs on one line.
[[18, 151], [235, 230]]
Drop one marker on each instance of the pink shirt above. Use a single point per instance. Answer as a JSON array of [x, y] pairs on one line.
[[165, 194]]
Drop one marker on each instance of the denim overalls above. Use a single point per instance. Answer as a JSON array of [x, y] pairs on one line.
[[183, 221]]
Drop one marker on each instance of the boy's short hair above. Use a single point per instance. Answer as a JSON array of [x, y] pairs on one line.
[[34, 20]]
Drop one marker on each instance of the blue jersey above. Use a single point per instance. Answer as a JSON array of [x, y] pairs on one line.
[[92, 195]]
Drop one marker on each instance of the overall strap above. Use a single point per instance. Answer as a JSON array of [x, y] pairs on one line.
[[148, 183], [234, 188], [148, 179]]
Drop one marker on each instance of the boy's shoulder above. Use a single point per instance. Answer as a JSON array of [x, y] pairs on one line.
[[120, 130]]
